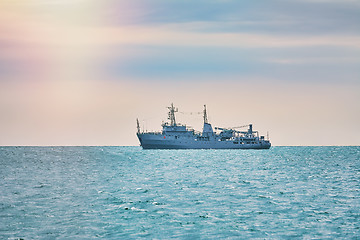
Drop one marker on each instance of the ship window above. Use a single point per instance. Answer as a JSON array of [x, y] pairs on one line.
[[176, 137], [235, 142]]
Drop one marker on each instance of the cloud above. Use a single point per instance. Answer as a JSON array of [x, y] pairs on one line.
[[276, 16], [175, 36], [84, 70]]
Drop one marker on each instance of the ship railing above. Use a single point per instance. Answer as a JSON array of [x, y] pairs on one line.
[[166, 124], [153, 132], [189, 129]]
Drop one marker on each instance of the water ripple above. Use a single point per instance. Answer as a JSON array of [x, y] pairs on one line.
[[129, 193]]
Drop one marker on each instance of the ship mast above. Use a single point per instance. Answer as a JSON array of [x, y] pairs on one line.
[[172, 115], [138, 125], [205, 115]]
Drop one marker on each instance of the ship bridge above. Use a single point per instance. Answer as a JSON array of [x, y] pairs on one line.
[[176, 128], [173, 128]]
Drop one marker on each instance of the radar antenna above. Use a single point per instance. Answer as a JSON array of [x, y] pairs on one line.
[[172, 115]]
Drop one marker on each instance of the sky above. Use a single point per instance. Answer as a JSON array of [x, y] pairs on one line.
[[79, 72]]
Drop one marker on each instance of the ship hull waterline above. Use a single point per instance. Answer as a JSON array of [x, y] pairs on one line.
[[162, 143]]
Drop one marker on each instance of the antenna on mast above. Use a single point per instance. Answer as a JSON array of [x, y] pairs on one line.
[[172, 115], [205, 115]]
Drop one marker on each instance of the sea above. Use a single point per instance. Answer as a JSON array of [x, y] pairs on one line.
[[130, 193]]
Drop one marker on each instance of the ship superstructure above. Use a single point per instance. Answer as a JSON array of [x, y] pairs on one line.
[[178, 136]]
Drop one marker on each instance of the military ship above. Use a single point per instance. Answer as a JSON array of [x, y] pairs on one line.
[[179, 136]]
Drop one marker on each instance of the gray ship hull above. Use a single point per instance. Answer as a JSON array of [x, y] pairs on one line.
[[160, 141], [178, 136]]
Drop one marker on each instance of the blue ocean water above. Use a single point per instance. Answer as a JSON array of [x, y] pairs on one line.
[[130, 193]]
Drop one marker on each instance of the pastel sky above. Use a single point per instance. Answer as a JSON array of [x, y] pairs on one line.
[[79, 72]]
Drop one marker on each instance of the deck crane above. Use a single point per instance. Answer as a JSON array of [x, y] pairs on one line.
[[248, 133], [247, 125], [232, 128]]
